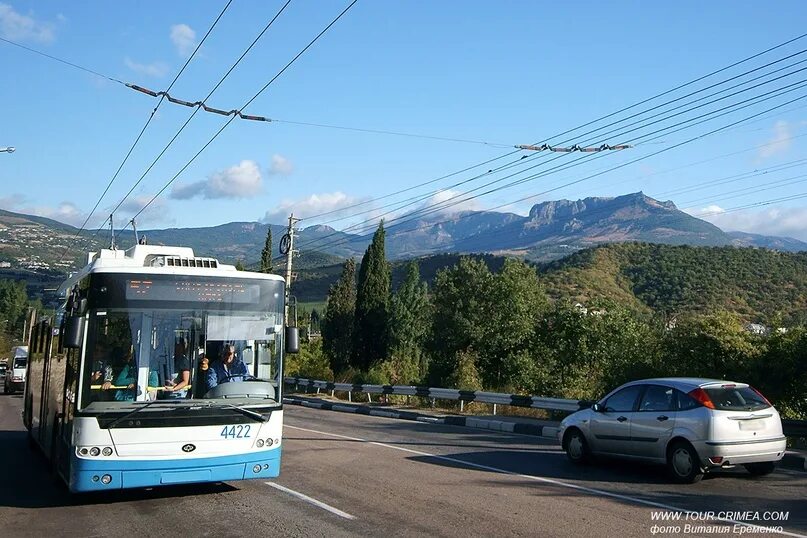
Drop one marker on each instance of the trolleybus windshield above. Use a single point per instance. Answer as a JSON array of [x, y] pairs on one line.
[[159, 338]]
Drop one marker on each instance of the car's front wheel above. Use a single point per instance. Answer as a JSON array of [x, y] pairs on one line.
[[683, 463], [577, 447], [760, 469]]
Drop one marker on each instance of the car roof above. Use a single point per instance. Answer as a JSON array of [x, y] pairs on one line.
[[685, 383]]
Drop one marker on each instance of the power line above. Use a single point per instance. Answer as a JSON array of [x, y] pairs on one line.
[[279, 73], [143, 130], [65, 62]]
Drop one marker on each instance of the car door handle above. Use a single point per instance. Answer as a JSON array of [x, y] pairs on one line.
[[622, 419], [662, 418]]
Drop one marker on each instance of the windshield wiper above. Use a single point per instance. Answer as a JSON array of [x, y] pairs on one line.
[[246, 412], [135, 411]]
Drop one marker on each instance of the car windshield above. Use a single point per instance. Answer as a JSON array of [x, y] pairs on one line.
[[736, 399]]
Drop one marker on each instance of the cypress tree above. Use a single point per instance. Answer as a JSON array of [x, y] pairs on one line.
[[372, 303], [266, 253], [337, 324]]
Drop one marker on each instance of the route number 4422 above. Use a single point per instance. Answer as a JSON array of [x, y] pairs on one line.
[[236, 432]]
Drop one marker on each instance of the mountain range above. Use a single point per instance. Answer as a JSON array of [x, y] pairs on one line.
[[551, 230]]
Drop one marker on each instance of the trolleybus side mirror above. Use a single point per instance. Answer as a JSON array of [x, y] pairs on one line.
[[292, 340], [73, 331], [74, 325]]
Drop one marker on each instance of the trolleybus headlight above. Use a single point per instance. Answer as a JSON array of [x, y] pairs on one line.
[[256, 469], [83, 451], [106, 479], [269, 442], [259, 443], [277, 441], [95, 478], [107, 451], [94, 451]]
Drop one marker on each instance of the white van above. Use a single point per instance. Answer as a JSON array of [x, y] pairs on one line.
[[15, 375]]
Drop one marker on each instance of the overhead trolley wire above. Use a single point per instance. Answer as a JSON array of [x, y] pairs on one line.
[[184, 125], [561, 167], [629, 107], [455, 218], [230, 120], [519, 162], [143, 130]]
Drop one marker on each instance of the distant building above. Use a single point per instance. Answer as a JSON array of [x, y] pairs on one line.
[[757, 328], [5, 265]]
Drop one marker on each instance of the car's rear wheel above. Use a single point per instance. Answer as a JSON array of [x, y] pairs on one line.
[[761, 468], [577, 447], [683, 463]]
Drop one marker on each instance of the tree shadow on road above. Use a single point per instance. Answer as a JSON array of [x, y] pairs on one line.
[[28, 483]]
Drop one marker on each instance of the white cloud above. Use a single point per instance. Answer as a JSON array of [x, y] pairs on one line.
[[154, 69], [779, 221], [779, 143], [18, 27], [280, 166], [156, 212], [240, 181], [313, 205], [184, 39], [66, 212], [450, 203]]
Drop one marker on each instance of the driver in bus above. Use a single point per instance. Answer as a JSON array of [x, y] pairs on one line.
[[178, 387], [229, 368]]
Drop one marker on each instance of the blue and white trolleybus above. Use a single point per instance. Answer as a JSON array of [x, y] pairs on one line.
[[118, 392]]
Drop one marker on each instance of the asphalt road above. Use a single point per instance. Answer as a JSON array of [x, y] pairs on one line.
[[356, 475]]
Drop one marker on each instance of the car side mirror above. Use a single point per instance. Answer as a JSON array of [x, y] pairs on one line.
[[292, 340], [598, 408]]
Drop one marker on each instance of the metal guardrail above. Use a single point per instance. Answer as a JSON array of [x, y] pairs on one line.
[[792, 428], [466, 396]]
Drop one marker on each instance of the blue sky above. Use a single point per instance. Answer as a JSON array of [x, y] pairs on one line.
[[499, 72]]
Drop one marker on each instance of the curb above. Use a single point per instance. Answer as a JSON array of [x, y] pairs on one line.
[[467, 422]]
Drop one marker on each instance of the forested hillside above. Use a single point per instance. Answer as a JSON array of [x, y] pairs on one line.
[[758, 284]]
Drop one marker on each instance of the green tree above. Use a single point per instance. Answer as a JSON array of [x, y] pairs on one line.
[[266, 253], [409, 326], [239, 266], [13, 306], [715, 345], [461, 301], [517, 302], [372, 303], [337, 324]]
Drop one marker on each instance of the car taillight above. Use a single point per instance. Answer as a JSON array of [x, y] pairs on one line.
[[700, 395], [761, 396]]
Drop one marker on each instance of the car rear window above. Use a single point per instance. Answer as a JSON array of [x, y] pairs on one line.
[[736, 399], [20, 363]]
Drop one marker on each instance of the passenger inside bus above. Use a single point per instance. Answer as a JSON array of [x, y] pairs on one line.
[[102, 366], [126, 378], [229, 368], [178, 387]]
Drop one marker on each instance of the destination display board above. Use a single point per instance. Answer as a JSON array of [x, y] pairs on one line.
[[191, 290]]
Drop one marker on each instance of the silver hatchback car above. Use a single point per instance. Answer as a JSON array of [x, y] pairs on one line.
[[691, 425]]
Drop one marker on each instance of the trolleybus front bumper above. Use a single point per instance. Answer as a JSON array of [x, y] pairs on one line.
[[96, 475]]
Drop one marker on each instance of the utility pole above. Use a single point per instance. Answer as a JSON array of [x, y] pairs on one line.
[[287, 249]]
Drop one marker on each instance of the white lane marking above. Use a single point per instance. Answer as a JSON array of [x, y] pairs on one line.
[[757, 528], [311, 500]]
